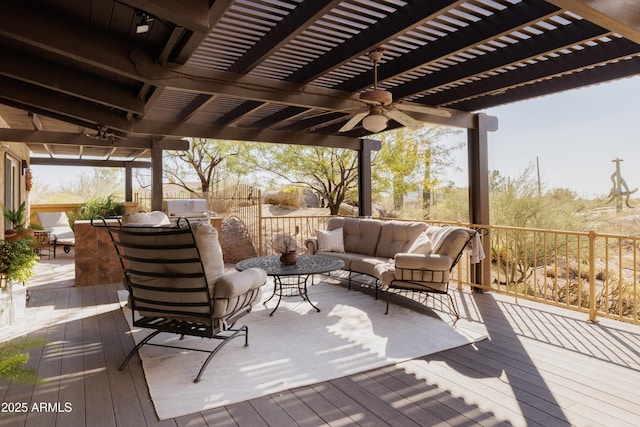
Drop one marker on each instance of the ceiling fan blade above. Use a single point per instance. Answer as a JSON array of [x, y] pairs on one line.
[[404, 119], [354, 121], [422, 109]]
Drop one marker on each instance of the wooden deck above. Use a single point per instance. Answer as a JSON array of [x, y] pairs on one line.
[[541, 366]]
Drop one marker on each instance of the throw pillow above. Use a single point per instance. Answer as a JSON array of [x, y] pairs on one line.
[[330, 241], [422, 245], [210, 251]]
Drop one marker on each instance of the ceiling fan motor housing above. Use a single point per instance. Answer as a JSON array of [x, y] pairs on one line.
[[383, 97]]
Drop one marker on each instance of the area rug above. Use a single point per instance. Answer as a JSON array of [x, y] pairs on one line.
[[295, 347]]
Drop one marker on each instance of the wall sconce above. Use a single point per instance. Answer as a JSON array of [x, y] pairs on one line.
[[3, 148], [144, 25], [24, 167]]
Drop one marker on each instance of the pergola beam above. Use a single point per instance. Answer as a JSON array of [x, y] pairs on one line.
[[618, 16], [42, 161]]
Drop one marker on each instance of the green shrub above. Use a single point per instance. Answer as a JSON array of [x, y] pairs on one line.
[[18, 259]]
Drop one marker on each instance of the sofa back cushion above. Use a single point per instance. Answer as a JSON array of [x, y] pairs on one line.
[[397, 237], [448, 241], [360, 235]]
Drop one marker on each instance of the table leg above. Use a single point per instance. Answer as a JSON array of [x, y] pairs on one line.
[[304, 293]]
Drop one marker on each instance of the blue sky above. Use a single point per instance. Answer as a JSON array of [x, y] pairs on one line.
[[575, 135]]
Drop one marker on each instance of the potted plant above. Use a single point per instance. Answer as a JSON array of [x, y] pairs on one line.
[[18, 259], [16, 218], [287, 246]]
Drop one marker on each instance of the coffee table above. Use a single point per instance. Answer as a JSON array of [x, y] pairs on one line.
[[291, 280]]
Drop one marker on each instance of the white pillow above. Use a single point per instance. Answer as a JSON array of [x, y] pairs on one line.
[[210, 251], [154, 218], [330, 241], [422, 245]]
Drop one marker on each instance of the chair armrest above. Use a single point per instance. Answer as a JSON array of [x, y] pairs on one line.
[[312, 245], [423, 262], [239, 283]]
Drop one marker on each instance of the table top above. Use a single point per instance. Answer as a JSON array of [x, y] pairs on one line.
[[307, 264]]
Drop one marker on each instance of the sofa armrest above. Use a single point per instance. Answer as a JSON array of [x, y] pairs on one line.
[[423, 262], [312, 245], [239, 283]]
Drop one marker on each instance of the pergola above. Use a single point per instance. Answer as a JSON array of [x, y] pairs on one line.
[[83, 83]]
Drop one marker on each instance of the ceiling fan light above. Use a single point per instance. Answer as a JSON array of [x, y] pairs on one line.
[[375, 123]]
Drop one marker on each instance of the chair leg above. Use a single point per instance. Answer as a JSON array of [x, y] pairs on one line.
[[243, 330], [136, 348], [454, 307]]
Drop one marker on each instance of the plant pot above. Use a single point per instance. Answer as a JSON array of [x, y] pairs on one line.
[[10, 235], [289, 258]]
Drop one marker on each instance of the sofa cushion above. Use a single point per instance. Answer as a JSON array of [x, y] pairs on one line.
[[397, 236], [448, 240], [360, 235], [346, 257], [422, 245], [330, 241], [367, 264]]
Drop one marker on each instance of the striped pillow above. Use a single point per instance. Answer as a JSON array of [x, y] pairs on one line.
[[330, 241]]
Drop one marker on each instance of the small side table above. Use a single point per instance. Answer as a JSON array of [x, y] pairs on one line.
[[43, 243], [291, 280]]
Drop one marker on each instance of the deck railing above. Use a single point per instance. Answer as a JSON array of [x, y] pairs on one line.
[[590, 272]]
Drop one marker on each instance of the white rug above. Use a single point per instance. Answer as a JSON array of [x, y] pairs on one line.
[[296, 347]]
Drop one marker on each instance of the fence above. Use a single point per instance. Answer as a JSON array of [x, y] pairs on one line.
[[585, 271]]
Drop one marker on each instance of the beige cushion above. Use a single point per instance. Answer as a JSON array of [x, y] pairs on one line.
[[210, 251], [422, 245], [155, 218], [330, 241]]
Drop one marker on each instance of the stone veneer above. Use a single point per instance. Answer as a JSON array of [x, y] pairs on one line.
[[96, 260]]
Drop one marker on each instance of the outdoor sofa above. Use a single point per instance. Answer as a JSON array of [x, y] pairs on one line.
[[400, 255]]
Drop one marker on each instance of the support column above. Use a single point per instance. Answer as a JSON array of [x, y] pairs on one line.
[[478, 157], [156, 175], [365, 206], [128, 183]]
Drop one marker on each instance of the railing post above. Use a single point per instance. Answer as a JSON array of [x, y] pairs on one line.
[[260, 253], [592, 277]]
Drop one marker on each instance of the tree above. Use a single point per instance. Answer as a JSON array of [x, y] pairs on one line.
[[201, 161], [329, 172], [414, 159]]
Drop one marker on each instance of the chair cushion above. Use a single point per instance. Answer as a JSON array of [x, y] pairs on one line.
[[330, 241], [155, 218], [210, 251], [49, 220]]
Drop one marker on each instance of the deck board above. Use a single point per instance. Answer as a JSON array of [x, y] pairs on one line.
[[542, 365]]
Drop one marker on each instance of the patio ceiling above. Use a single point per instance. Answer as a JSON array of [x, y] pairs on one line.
[[286, 71]]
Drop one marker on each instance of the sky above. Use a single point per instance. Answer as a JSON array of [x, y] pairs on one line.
[[573, 135]]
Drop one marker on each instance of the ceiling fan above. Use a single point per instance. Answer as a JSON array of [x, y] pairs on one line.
[[375, 118], [104, 134]]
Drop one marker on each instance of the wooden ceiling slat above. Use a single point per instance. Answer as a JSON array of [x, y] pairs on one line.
[[394, 24], [590, 76], [292, 25], [503, 22], [604, 52], [518, 52]]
